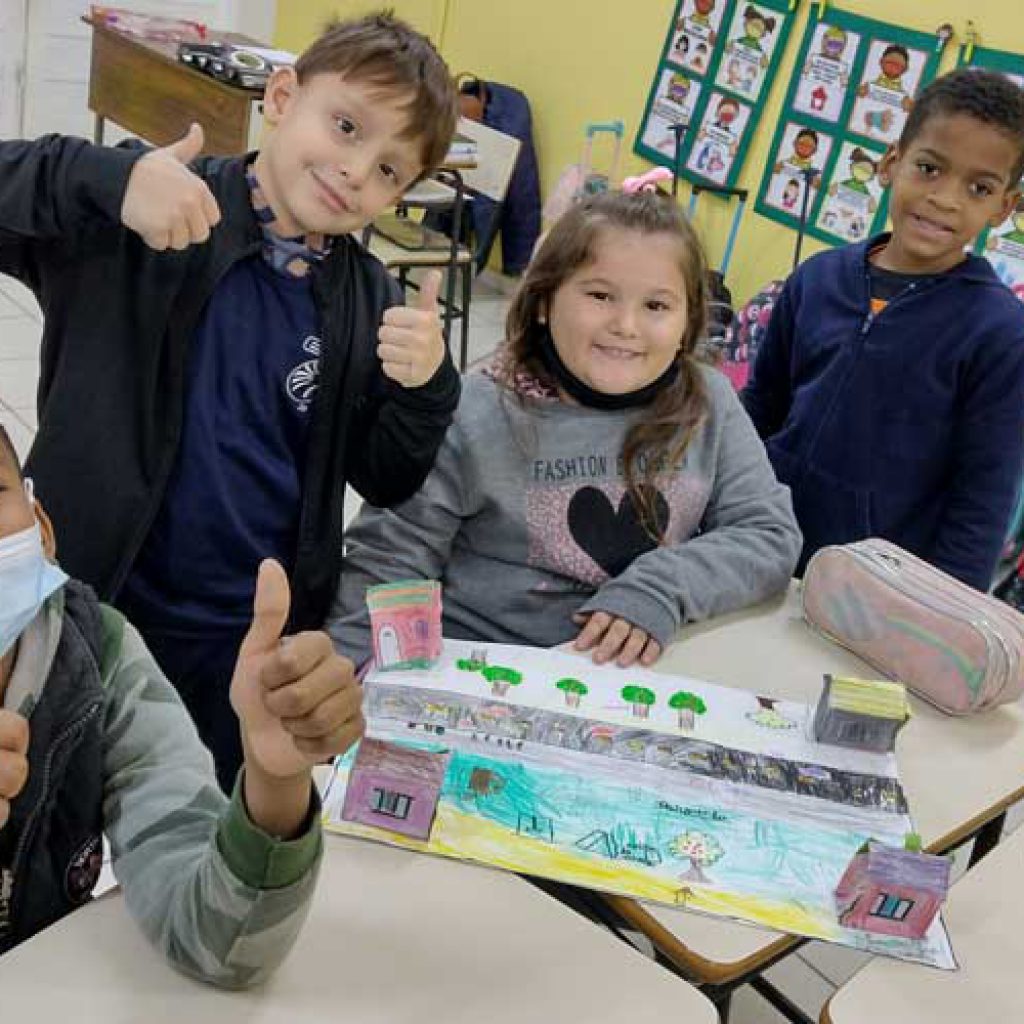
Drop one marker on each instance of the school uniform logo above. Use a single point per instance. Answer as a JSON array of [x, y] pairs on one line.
[[84, 870], [302, 382]]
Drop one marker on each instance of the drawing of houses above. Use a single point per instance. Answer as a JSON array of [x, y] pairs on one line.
[[394, 787], [892, 891]]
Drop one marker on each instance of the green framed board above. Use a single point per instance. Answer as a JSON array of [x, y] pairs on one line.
[[853, 85], [1004, 245], [716, 68]]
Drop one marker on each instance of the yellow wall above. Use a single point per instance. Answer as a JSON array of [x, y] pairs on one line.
[[594, 61]]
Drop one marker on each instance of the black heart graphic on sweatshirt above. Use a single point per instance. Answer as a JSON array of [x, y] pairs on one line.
[[612, 537]]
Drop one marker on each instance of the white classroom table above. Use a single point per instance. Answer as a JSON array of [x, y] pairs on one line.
[[393, 938], [958, 773], [983, 914]]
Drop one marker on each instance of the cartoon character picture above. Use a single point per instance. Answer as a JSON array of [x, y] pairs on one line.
[[893, 65], [696, 33], [805, 146], [753, 35], [826, 72], [1011, 241], [801, 155], [854, 196], [678, 90], [674, 101], [892, 74], [756, 26], [718, 141]]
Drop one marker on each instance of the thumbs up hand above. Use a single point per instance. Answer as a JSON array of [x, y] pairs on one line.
[[297, 701], [13, 760], [165, 203], [411, 343]]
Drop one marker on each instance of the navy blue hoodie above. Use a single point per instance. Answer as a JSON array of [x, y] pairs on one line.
[[908, 424]]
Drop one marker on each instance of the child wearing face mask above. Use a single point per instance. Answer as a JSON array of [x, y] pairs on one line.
[[94, 740], [597, 485]]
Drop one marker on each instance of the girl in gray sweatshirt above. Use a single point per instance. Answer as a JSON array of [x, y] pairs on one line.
[[597, 485]]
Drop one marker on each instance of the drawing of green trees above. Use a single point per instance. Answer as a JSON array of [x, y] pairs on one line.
[[700, 849], [501, 678], [688, 705], [641, 698], [574, 691]]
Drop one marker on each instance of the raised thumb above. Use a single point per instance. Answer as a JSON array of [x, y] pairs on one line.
[[269, 610], [430, 289], [189, 146]]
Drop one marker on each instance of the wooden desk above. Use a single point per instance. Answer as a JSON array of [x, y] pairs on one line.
[[958, 773], [984, 918], [393, 937], [142, 86]]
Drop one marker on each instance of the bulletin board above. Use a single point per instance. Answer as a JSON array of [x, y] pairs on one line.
[[853, 86], [716, 68], [1004, 245]]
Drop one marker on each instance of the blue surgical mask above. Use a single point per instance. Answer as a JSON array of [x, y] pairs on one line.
[[27, 579]]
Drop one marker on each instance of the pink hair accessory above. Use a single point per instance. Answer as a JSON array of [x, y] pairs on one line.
[[646, 182]]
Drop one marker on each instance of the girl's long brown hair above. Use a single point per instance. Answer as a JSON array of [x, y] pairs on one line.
[[660, 437]]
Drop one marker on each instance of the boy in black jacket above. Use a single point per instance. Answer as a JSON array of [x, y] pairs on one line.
[[221, 358]]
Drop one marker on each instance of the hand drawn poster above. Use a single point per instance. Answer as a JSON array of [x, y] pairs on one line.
[[716, 67], [628, 781], [1004, 245], [856, 83]]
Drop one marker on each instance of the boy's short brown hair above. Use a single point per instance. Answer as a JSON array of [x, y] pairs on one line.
[[383, 50]]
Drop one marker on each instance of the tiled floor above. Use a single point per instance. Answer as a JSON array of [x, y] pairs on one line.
[[807, 977]]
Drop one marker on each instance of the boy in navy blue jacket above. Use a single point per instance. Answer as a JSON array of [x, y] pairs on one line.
[[889, 389]]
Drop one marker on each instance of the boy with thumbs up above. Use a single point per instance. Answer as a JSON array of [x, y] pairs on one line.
[[93, 739], [221, 357]]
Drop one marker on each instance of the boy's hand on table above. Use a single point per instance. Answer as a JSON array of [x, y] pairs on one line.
[[298, 703], [165, 202], [13, 760], [411, 342]]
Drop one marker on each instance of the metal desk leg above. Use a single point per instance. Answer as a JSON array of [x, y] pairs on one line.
[[97, 131]]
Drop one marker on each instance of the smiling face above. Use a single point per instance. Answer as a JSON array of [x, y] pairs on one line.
[[893, 64], [336, 156], [953, 179], [862, 170], [618, 322], [805, 145]]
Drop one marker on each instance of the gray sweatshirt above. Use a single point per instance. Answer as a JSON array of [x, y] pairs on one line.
[[526, 521]]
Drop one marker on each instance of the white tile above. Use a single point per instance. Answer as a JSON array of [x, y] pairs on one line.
[[19, 338], [750, 1008], [837, 963], [21, 436], [21, 296], [27, 416], [18, 380], [801, 983]]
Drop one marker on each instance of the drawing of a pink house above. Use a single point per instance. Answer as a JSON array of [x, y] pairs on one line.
[[892, 891], [394, 788]]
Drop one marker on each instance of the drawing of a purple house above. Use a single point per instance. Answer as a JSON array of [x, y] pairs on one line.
[[892, 891], [394, 788]]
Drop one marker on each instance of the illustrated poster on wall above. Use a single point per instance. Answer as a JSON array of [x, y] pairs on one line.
[[716, 68], [855, 86], [1004, 245]]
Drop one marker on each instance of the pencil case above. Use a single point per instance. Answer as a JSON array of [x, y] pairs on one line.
[[951, 645]]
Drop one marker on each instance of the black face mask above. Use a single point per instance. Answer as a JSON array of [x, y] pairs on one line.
[[587, 396]]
